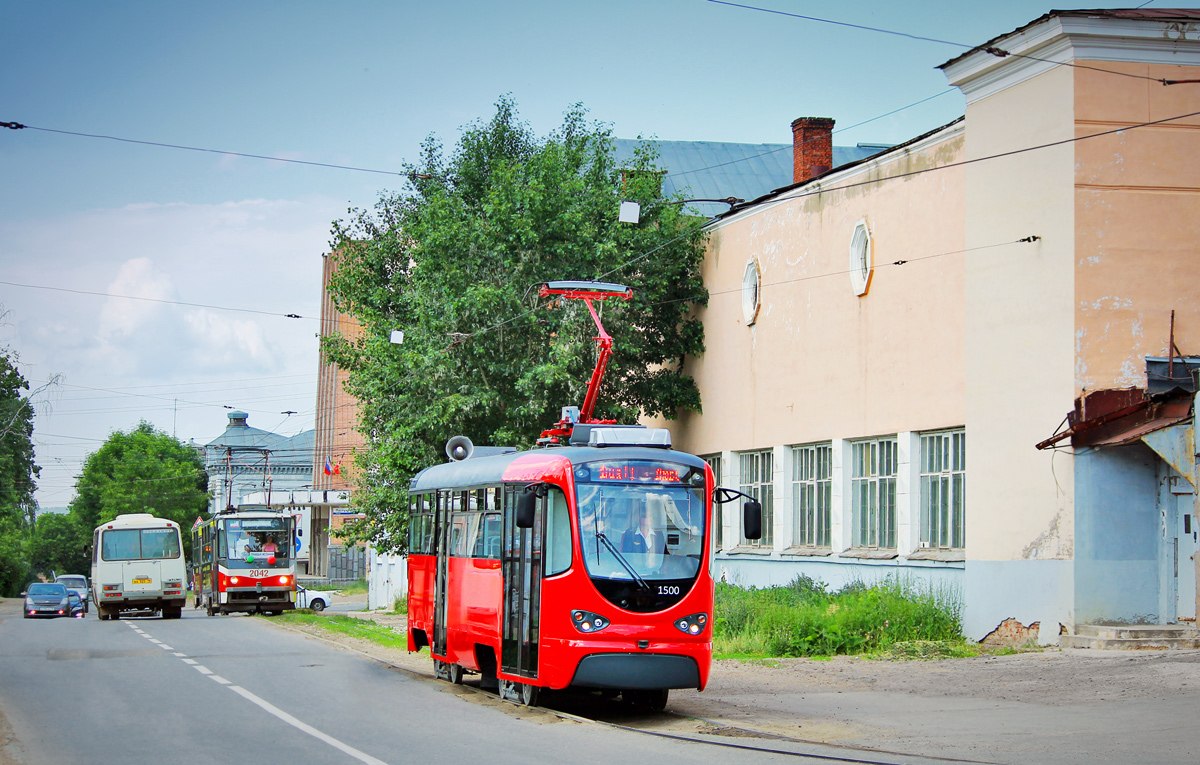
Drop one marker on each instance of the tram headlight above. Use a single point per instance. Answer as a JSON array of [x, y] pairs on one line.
[[233, 580], [283, 579], [692, 624], [588, 622]]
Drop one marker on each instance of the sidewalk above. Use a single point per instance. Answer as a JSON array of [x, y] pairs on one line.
[[1054, 706]]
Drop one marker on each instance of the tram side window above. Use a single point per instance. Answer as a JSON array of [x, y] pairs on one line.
[[558, 533], [487, 545], [420, 526]]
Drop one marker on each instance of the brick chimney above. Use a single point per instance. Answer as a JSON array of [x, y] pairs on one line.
[[812, 147]]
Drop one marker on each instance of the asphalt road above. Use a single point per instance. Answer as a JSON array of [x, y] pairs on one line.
[[237, 689]]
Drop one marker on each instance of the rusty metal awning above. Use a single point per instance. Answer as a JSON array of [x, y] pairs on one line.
[[1117, 417]]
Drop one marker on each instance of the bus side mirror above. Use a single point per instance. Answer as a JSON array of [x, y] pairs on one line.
[[526, 504], [752, 519]]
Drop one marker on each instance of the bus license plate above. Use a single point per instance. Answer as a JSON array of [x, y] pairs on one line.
[[141, 580]]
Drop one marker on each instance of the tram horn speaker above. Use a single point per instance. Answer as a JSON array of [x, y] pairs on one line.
[[459, 448]]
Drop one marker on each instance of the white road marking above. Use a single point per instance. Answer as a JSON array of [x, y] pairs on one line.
[[165, 647], [305, 727], [269, 707]]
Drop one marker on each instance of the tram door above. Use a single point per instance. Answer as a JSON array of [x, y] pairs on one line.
[[521, 561], [441, 536]]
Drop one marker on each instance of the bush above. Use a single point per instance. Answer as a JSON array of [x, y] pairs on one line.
[[803, 619]]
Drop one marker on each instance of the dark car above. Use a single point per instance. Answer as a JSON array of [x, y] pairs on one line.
[[78, 583], [46, 599], [76, 606]]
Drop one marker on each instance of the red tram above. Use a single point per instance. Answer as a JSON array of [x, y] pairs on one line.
[[586, 563]]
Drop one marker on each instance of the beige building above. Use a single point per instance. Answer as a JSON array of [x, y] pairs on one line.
[[888, 341]]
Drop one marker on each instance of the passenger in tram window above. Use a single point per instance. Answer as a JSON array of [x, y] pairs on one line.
[[269, 546]]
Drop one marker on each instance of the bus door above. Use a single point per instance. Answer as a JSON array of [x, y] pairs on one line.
[[521, 563], [441, 544]]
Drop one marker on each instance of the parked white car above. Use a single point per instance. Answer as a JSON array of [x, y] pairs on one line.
[[314, 599]]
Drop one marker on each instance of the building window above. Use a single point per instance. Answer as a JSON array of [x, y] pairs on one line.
[[873, 492], [751, 284], [756, 480], [714, 462], [812, 488], [943, 489], [861, 265]]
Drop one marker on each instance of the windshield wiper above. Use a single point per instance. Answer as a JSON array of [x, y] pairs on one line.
[[621, 559]]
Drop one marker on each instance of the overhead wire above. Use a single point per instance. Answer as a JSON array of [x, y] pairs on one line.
[[157, 300]]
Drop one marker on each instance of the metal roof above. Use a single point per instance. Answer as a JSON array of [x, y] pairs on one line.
[[715, 169]]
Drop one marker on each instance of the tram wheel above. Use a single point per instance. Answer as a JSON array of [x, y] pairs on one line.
[[653, 700], [456, 673], [529, 694]]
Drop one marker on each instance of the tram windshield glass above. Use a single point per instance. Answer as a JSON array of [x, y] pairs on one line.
[[253, 541], [641, 520]]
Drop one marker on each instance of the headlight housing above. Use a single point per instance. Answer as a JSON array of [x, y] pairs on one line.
[[693, 624], [588, 622]]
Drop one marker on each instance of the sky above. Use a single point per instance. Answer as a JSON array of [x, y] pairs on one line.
[[221, 247]]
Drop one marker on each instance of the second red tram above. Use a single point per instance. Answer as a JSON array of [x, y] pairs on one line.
[[585, 565]]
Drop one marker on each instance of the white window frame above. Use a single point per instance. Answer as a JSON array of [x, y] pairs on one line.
[[756, 477], [751, 291], [943, 489], [873, 472], [718, 529], [862, 264], [812, 495]]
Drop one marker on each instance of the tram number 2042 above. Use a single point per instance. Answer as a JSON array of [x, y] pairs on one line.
[[668, 589], [257, 572]]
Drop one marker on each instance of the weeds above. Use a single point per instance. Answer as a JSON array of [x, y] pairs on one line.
[[803, 618]]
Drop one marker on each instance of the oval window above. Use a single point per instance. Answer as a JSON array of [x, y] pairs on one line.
[[750, 292], [860, 259]]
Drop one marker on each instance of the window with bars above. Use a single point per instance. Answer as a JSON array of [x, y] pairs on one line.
[[812, 489], [873, 492], [757, 474], [714, 462], [943, 489]]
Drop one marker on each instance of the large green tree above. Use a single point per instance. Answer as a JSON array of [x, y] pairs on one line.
[[455, 261], [18, 476], [142, 471]]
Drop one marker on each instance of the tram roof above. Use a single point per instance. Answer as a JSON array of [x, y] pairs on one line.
[[484, 471]]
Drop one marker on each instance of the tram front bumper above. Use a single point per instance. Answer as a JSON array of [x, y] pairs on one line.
[[636, 671]]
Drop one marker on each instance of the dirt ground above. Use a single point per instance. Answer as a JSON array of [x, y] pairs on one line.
[[1052, 706]]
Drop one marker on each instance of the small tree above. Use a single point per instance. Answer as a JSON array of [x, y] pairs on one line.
[[142, 471], [455, 261]]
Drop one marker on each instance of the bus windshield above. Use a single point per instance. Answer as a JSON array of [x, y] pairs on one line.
[[139, 544], [641, 520], [255, 540]]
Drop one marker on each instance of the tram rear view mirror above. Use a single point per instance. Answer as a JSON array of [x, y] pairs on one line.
[[526, 503], [752, 519]]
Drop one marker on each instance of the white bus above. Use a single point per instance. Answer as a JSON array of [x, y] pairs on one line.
[[138, 565]]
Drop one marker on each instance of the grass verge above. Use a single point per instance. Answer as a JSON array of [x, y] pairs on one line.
[[364, 629]]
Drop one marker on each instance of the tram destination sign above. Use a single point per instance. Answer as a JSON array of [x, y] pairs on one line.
[[634, 472]]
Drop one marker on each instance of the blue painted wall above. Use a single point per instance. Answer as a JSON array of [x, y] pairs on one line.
[[764, 571], [1117, 535], [1026, 590]]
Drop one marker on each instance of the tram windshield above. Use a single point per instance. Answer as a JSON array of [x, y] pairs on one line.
[[641, 520], [255, 540]]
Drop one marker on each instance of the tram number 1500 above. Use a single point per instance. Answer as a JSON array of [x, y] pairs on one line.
[[668, 589]]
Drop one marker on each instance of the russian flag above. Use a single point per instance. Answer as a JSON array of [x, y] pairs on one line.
[[328, 467]]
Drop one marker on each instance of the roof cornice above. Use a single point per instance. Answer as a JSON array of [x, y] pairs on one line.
[[1056, 40]]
